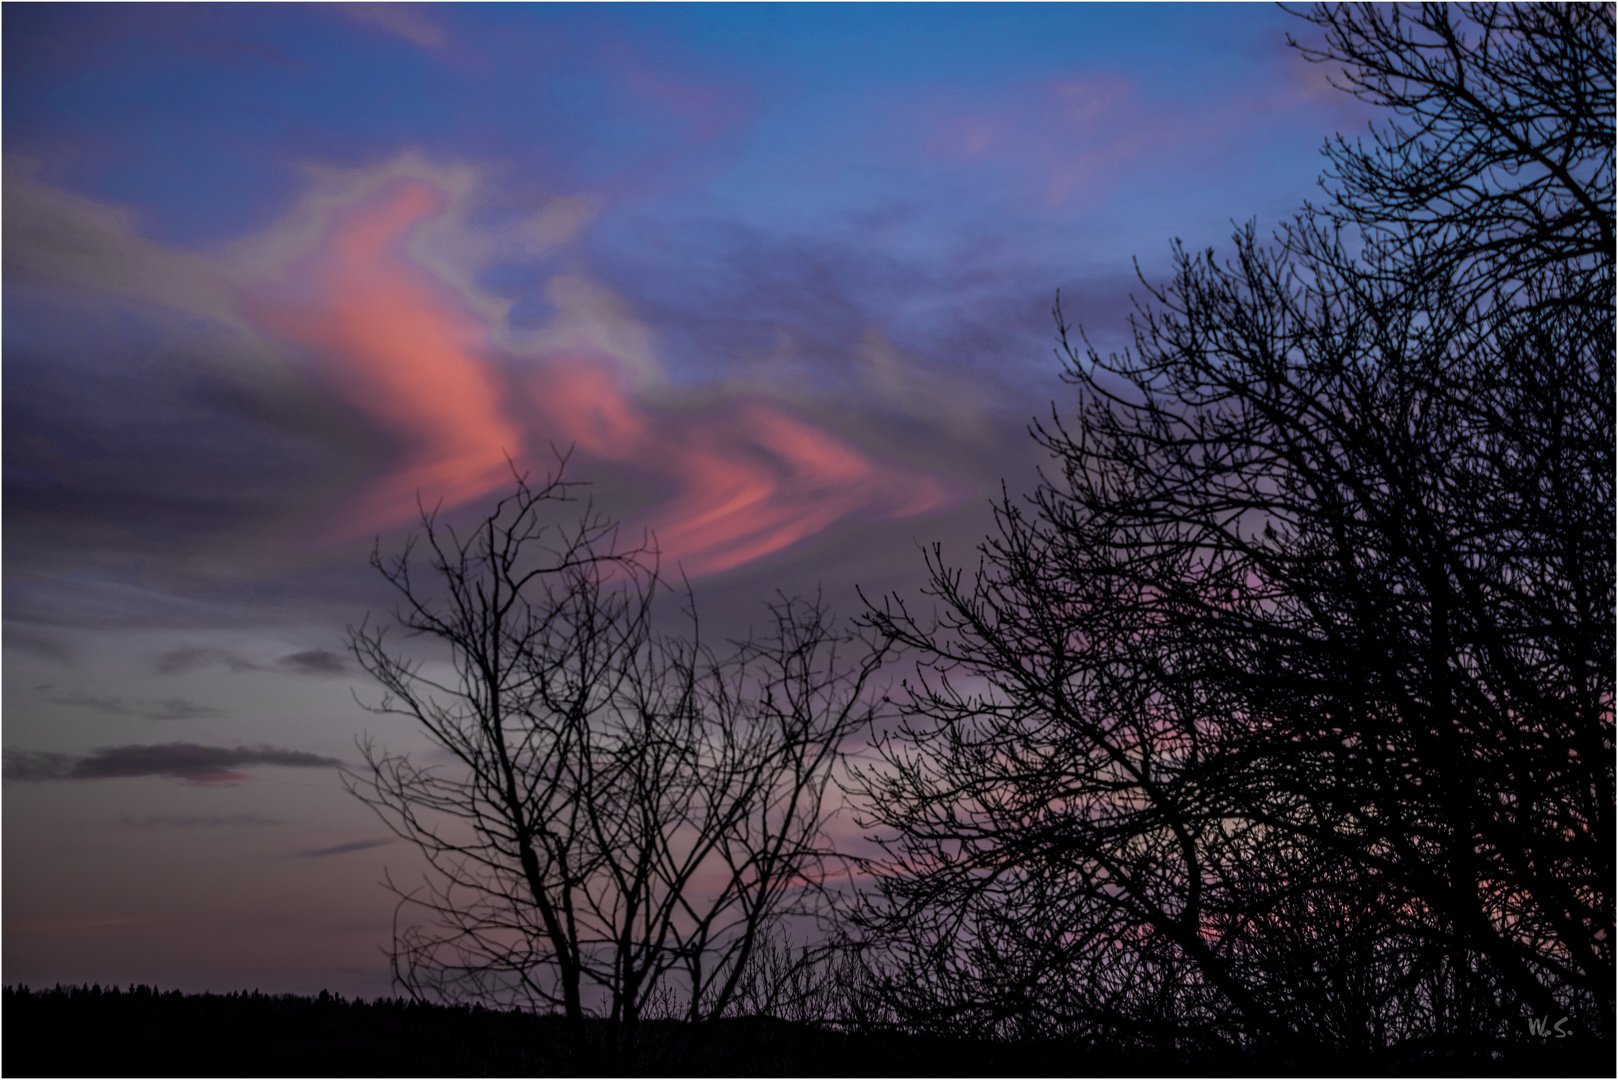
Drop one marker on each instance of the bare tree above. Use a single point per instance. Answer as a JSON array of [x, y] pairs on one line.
[[1498, 152], [1283, 712], [616, 815]]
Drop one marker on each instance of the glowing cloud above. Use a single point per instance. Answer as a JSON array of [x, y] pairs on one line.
[[402, 349], [400, 345], [750, 479]]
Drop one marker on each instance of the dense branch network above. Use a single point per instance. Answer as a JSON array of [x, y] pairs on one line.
[[1282, 711], [616, 818]]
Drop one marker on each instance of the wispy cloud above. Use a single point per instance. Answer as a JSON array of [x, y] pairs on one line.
[[745, 478], [1068, 137], [48, 646], [414, 381], [184, 761], [174, 708], [1086, 138], [55, 237], [37, 765], [342, 849], [314, 662], [397, 344], [402, 20], [700, 106], [748, 477], [190, 658], [198, 821]]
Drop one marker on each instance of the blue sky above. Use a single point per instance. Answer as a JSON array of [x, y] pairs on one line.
[[780, 274]]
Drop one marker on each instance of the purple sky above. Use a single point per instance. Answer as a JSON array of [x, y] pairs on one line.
[[781, 275]]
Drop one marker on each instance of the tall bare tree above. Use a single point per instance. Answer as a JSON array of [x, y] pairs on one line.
[[1283, 712], [617, 816]]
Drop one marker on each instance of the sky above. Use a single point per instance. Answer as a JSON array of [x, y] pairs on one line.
[[777, 278]]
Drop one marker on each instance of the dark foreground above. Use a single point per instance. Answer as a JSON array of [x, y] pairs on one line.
[[90, 1031]]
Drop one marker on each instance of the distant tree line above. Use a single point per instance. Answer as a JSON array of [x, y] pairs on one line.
[[141, 1031], [1275, 725]]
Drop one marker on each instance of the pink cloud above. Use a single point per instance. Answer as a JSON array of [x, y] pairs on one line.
[[964, 136], [1065, 139], [749, 478], [1091, 101], [702, 107], [746, 478], [400, 347]]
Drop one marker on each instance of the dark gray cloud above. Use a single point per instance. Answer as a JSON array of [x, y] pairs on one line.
[[36, 765], [112, 445], [342, 849], [314, 662], [190, 658], [185, 761], [158, 463], [174, 708], [38, 643], [198, 821]]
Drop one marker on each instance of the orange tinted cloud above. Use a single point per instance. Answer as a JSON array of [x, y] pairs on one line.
[[746, 479], [749, 479], [400, 348]]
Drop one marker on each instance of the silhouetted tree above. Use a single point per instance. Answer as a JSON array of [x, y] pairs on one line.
[[617, 816], [1282, 712]]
